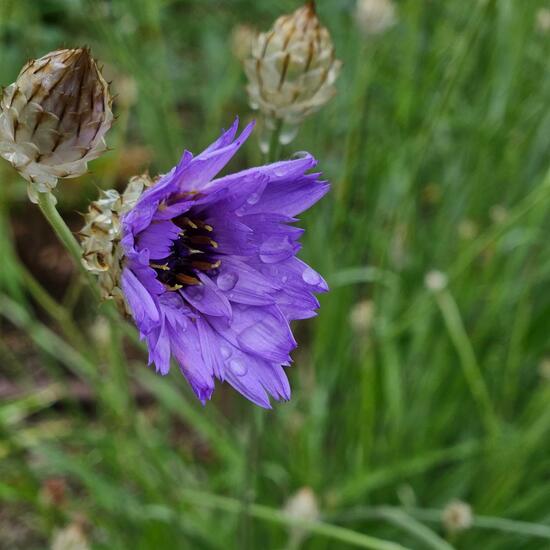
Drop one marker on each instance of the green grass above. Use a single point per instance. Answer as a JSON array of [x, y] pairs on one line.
[[442, 120]]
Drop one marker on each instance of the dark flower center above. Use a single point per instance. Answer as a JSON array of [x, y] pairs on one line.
[[194, 250]]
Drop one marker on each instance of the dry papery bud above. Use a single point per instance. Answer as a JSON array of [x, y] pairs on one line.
[[292, 70], [543, 20], [457, 516], [362, 317], [71, 537], [54, 118], [101, 235], [375, 16], [303, 506], [435, 281]]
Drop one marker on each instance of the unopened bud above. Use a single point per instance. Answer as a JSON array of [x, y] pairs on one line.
[[435, 281], [375, 16], [543, 20], [100, 237], [362, 317], [457, 516], [292, 68], [54, 118], [71, 537], [301, 506]]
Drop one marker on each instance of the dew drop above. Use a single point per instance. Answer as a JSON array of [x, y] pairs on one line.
[[284, 279], [225, 351], [195, 293], [311, 277], [299, 155], [275, 249], [238, 367], [253, 198], [227, 281]]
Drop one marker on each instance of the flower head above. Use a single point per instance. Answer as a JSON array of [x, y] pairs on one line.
[[292, 69], [54, 117], [210, 272]]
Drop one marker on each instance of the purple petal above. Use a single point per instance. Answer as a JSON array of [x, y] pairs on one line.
[[141, 303], [262, 331], [243, 284], [200, 171], [207, 298], [186, 349], [158, 238]]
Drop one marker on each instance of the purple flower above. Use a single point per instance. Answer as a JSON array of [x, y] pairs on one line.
[[211, 274]]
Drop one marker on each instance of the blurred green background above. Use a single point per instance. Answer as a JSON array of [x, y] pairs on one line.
[[409, 394]]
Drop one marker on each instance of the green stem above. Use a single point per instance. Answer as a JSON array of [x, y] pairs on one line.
[[46, 203], [434, 516], [271, 515], [470, 366]]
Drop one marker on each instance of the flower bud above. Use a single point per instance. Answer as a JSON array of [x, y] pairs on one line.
[[292, 69], [54, 118], [101, 234], [457, 516], [375, 16]]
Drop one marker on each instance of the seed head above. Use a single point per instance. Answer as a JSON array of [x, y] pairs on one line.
[[435, 281], [542, 22], [292, 68], [101, 234], [375, 16], [457, 516], [362, 317], [54, 117]]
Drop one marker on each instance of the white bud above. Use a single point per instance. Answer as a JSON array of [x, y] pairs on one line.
[[302, 506], [457, 516], [54, 117], [292, 68], [543, 20], [375, 16], [362, 316], [71, 537], [435, 281]]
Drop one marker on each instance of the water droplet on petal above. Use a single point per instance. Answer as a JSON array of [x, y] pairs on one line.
[[276, 249], [311, 277], [227, 281], [195, 293], [299, 155], [284, 279], [253, 198], [280, 171], [238, 366], [225, 351]]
